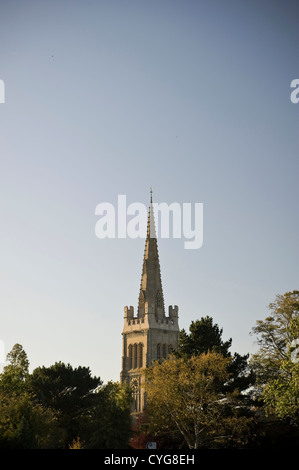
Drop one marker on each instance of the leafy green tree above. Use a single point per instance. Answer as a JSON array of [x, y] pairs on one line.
[[281, 394], [277, 372], [60, 407], [12, 380], [24, 424], [274, 336], [187, 395], [205, 336]]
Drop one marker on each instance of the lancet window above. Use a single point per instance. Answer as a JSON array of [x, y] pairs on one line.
[[135, 355]]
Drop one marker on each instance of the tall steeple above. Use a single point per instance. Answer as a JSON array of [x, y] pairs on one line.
[[151, 335], [151, 292]]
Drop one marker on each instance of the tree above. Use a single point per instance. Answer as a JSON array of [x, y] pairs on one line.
[[12, 380], [60, 407], [23, 422], [281, 394], [206, 337], [277, 370], [68, 392], [187, 395], [108, 422], [88, 412], [274, 336]]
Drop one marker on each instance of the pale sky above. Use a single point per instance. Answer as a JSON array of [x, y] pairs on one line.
[[106, 98]]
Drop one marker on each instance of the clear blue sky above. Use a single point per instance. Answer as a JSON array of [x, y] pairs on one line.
[[111, 97]]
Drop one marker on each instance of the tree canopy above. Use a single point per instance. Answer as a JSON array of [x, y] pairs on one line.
[[198, 397], [60, 407], [186, 395], [198, 392], [276, 363], [205, 336]]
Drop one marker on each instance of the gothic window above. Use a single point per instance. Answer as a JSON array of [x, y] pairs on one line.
[[130, 356], [169, 349], [140, 355], [164, 354], [135, 394], [135, 356]]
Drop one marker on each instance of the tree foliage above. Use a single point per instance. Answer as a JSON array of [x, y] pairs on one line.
[[23, 422], [187, 395], [276, 367], [197, 398], [108, 423], [274, 335], [205, 336], [26, 424], [12, 380], [67, 391], [60, 407]]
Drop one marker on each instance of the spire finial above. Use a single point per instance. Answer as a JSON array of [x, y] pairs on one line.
[[151, 193]]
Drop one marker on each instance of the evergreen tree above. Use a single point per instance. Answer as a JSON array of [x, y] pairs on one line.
[[68, 392], [205, 336], [109, 421]]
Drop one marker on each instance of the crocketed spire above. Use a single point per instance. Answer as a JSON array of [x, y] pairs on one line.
[[151, 291]]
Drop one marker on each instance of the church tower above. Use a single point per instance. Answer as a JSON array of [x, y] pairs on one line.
[[150, 335]]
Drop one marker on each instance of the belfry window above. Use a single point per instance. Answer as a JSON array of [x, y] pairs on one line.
[[139, 355], [130, 356], [135, 355]]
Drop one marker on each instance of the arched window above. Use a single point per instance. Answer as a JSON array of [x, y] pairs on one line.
[[140, 355], [130, 355], [135, 356], [164, 353]]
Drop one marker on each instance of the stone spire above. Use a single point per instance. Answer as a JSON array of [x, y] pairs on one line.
[[151, 298]]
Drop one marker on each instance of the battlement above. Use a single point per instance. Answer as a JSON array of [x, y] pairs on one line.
[[129, 312], [151, 318], [173, 312]]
